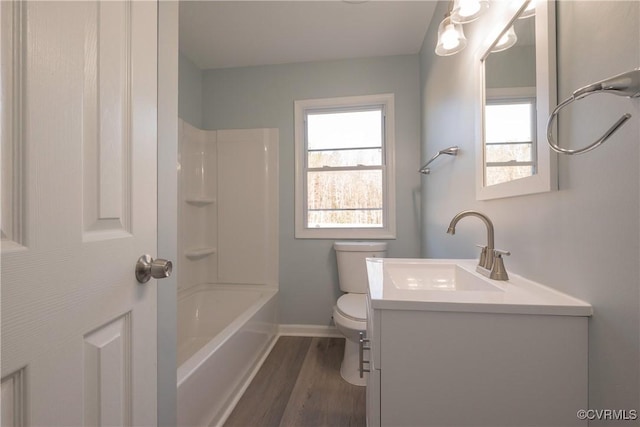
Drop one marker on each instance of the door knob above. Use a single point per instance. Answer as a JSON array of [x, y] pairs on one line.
[[147, 267]]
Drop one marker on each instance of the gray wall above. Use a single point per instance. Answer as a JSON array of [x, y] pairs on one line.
[[255, 97], [189, 91], [583, 239], [514, 67]]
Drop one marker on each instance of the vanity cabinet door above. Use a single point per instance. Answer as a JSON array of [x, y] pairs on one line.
[[469, 369]]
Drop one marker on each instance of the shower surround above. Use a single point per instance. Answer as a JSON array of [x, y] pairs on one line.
[[228, 270]]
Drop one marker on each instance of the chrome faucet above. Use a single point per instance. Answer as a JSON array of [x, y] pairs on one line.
[[490, 263]]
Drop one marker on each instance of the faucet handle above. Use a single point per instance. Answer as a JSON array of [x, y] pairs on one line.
[[499, 252], [498, 271]]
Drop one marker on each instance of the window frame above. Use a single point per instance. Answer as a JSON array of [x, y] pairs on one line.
[[351, 103]]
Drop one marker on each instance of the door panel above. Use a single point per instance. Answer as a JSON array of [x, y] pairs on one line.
[[107, 100], [79, 98], [12, 176], [107, 374]]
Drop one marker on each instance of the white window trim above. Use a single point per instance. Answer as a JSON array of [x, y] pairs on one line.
[[388, 231]]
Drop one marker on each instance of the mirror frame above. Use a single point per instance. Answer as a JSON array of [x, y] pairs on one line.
[[546, 178]]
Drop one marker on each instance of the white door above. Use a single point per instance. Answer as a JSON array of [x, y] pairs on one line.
[[79, 208]]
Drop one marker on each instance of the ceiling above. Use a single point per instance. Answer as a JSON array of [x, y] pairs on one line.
[[223, 34]]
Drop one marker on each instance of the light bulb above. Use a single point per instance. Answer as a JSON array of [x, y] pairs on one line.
[[465, 11], [469, 7], [450, 38]]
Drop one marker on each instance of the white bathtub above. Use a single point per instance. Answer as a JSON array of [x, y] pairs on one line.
[[223, 332]]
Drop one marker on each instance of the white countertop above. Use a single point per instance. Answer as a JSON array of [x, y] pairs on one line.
[[454, 285]]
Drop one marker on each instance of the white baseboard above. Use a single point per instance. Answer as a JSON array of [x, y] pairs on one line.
[[309, 331]]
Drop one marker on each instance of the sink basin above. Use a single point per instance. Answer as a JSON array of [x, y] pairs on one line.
[[435, 277], [455, 285]]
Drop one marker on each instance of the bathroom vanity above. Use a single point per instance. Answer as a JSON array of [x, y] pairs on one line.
[[449, 347]]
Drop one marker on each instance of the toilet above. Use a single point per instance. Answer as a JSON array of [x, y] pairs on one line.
[[350, 311]]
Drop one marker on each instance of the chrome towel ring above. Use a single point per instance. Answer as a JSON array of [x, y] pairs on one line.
[[625, 84]]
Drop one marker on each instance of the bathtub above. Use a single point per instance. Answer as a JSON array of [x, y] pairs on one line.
[[224, 332]]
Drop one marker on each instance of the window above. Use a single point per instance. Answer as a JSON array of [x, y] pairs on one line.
[[344, 168], [510, 135]]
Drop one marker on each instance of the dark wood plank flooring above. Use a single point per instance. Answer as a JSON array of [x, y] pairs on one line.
[[299, 384]]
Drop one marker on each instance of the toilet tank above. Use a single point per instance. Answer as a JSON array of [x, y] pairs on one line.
[[352, 269]]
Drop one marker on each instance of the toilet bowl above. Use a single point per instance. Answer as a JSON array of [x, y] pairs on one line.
[[350, 311]]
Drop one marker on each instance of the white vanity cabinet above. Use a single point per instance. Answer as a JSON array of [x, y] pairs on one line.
[[444, 364]]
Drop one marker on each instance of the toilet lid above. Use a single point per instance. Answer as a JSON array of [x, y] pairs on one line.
[[353, 306]]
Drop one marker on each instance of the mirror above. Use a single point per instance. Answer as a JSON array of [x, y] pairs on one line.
[[517, 83]]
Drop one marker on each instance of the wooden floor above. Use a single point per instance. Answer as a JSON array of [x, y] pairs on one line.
[[299, 384]]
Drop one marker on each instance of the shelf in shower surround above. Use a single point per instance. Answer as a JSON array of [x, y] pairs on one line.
[[199, 252], [200, 201]]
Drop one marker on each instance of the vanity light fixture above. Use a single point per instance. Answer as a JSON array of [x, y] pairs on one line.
[[451, 39], [507, 40], [465, 11]]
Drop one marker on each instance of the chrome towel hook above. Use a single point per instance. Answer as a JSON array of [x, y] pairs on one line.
[[451, 151], [625, 84]]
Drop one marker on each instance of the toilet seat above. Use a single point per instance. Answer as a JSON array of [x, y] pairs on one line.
[[353, 306]]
